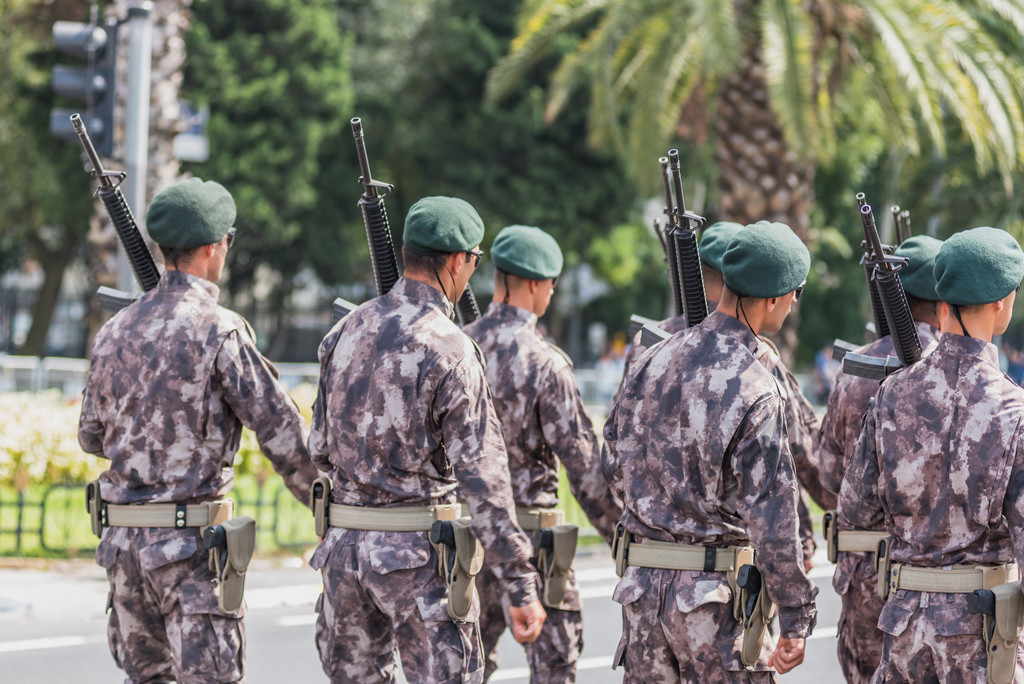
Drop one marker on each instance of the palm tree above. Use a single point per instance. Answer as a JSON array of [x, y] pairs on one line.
[[767, 81]]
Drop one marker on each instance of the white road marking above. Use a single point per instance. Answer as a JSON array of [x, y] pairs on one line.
[[48, 642], [296, 620], [521, 672]]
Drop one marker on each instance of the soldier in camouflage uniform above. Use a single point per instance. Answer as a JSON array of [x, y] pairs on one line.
[[940, 465], [543, 422], [404, 418], [172, 379], [802, 424], [696, 447], [860, 640]]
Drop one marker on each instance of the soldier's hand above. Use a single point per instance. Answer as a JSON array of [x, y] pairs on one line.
[[788, 654], [527, 621]]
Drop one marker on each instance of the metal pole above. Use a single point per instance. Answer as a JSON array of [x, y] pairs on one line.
[[136, 126]]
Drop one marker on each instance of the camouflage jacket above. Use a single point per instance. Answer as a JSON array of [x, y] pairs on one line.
[[847, 404], [940, 462], [696, 446], [636, 349], [403, 417], [172, 380], [542, 416], [802, 425]]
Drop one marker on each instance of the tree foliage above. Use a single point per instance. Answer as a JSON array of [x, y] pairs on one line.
[[275, 75], [45, 194], [651, 66]]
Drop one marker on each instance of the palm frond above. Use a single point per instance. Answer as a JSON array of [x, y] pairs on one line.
[[549, 21], [787, 41]]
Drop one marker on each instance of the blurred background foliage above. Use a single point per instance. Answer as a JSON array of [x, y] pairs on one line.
[[283, 78]]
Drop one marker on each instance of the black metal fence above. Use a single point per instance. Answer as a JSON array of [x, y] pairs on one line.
[[54, 521]]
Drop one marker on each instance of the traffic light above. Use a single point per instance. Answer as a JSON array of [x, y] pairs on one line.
[[92, 84]]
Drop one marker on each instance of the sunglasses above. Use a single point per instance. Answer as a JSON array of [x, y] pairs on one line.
[[231, 236], [478, 255], [797, 292]]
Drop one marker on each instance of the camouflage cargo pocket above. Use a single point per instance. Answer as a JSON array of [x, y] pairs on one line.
[[212, 648], [633, 585]]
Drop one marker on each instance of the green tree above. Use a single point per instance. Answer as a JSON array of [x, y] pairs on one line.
[[45, 197], [771, 82], [430, 132], [275, 75]]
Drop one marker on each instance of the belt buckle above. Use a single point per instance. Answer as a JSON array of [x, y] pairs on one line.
[[447, 511], [549, 518]]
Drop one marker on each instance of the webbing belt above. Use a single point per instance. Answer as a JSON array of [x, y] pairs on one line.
[[533, 519], [670, 556], [398, 519], [158, 515], [957, 580], [856, 540]]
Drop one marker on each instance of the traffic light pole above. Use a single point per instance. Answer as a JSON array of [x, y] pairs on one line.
[[136, 125]]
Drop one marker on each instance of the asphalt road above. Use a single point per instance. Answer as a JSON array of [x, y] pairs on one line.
[[53, 629]]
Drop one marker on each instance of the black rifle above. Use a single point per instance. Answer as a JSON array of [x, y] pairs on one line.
[[901, 224], [668, 243], [375, 218], [467, 307], [120, 214], [885, 277], [684, 231], [869, 261]]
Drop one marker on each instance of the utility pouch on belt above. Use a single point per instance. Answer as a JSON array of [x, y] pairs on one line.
[[459, 559], [620, 548], [94, 504], [555, 548], [231, 544], [758, 611], [319, 501], [882, 564], [744, 557], [1002, 619], [831, 534]]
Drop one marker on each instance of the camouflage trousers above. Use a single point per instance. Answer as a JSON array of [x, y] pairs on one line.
[[678, 626], [164, 622], [932, 639], [382, 593], [553, 656], [860, 641]]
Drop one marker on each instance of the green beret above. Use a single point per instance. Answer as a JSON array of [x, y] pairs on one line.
[[442, 225], [765, 260], [527, 252], [190, 214], [714, 240], [978, 266], [918, 276]]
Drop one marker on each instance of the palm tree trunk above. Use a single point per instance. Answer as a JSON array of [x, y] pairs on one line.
[[760, 177]]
